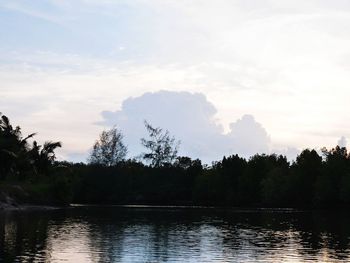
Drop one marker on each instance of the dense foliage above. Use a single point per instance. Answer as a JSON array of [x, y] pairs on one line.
[[312, 180], [28, 170], [20, 159], [263, 180]]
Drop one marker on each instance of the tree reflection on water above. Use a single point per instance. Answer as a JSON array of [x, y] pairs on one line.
[[120, 234]]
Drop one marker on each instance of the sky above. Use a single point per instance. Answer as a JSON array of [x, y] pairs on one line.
[[224, 77]]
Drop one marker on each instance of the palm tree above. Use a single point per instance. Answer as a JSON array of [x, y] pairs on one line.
[[47, 155], [9, 146], [17, 157]]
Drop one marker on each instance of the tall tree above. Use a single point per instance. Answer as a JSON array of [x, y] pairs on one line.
[[162, 148], [109, 149]]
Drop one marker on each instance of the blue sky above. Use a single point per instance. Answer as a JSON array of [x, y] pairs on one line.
[[284, 63]]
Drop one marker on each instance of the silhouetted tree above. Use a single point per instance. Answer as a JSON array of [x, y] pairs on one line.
[[44, 156], [161, 146], [17, 157], [305, 171], [109, 149], [336, 169]]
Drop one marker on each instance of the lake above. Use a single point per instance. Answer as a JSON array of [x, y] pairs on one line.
[[145, 234]]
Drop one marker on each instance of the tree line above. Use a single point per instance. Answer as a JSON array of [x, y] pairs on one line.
[[161, 177]]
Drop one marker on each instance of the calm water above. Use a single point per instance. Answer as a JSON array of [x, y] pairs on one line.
[[115, 234]]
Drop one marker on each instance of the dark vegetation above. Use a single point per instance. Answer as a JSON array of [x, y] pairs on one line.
[[30, 173]]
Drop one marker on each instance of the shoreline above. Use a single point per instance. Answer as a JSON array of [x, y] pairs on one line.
[[5, 207], [11, 207]]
